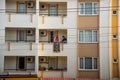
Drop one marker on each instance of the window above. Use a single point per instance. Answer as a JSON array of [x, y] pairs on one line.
[[21, 7], [53, 10], [88, 36], [88, 8], [88, 63]]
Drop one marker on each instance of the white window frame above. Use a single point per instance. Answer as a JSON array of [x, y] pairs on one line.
[[84, 36], [84, 8], [84, 64]]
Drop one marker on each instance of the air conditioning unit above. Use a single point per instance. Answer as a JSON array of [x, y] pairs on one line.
[[30, 4], [43, 33], [30, 59], [43, 6], [30, 32], [114, 36], [43, 59]]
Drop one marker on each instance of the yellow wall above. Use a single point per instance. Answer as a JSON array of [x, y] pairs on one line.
[[114, 42]]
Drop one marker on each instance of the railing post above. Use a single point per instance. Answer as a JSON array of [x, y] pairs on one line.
[[9, 17], [62, 47], [32, 18], [42, 19], [9, 46], [42, 47], [31, 46], [62, 74], [62, 19]]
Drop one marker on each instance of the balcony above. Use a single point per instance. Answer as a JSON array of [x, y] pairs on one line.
[[53, 63], [20, 34], [19, 65], [49, 65], [21, 13], [47, 36], [53, 8], [20, 7]]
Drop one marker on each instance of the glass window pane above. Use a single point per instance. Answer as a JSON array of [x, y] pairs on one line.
[[88, 8], [95, 63], [81, 36], [81, 8], [21, 8], [94, 36], [53, 11], [88, 63], [81, 63], [95, 8], [88, 36]]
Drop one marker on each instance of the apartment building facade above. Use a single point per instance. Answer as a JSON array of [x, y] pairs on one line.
[[28, 28], [27, 38]]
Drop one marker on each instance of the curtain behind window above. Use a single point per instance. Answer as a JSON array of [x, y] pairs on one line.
[[88, 8], [88, 63]]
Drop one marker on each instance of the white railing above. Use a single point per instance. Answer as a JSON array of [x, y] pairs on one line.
[[51, 74], [20, 46], [53, 21], [25, 20], [46, 49]]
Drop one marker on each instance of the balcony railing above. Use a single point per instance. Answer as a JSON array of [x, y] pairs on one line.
[[18, 46], [58, 13], [22, 11], [19, 41]]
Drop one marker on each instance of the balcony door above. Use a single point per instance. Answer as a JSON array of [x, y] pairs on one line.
[[21, 7], [53, 10], [21, 63], [21, 35]]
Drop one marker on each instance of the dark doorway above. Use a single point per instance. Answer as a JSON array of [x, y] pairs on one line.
[[21, 62], [52, 34]]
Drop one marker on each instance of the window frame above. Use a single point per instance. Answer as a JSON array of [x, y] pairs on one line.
[[84, 8], [84, 36], [93, 67]]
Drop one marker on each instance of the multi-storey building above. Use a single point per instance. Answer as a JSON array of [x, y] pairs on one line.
[[29, 28]]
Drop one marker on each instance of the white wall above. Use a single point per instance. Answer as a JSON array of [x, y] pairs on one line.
[[2, 12], [104, 39], [1, 63]]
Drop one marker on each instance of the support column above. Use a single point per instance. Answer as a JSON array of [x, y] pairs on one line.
[[2, 6], [1, 63], [37, 7], [36, 64], [2, 35], [37, 35]]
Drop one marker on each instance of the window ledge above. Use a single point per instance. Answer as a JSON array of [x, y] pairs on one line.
[[88, 70], [88, 42], [88, 14]]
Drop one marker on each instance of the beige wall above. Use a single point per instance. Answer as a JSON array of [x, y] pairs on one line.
[[88, 22], [88, 50], [88, 74], [10, 63]]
